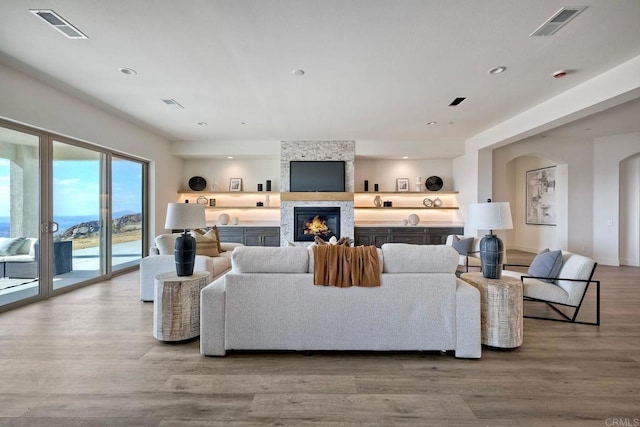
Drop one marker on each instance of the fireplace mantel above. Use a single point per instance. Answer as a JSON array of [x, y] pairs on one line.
[[316, 196]]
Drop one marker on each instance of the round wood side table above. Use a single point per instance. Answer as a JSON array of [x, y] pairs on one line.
[[176, 306], [500, 310]]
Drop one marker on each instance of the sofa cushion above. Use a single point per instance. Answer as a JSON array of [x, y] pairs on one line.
[[213, 229], [406, 258], [166, 243], [11, 245], [463, 246], [259, 259], [546, 264], [206, 244]]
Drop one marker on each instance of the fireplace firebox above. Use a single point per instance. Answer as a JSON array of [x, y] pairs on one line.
[[311, 222]]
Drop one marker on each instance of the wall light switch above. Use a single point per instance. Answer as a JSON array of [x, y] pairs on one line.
[[609, 222]]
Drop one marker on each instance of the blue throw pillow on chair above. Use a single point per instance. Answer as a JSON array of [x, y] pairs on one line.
[[463, 246], [546, 264]]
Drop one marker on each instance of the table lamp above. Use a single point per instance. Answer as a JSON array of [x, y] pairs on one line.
[[185, 216], [490, 216]]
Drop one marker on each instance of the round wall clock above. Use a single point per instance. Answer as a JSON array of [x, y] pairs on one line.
[[197, 183], [433, 183]]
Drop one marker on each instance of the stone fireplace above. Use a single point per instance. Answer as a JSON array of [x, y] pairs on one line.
[[316, 150], [310, 222]]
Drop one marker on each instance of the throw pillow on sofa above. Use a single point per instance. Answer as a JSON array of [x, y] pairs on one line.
[[217, 236], [10, 246], [463, 246], [206, 244], [546, 264]]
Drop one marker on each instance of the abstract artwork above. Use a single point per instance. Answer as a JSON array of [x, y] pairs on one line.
[[541, 196]]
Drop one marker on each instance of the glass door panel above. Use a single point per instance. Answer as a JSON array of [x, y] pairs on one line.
[[80, 211], [19, 215], [126, 212]]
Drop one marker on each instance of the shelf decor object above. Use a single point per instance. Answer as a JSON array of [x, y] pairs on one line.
[[490, 216], [402, 184], [433, 183], [185, 216], [197, 183], [235, 184]]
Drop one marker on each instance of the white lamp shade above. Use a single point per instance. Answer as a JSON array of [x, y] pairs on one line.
[[490, 216], [184, 216]]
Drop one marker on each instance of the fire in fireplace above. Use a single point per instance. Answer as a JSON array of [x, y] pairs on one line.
[[311, 222]]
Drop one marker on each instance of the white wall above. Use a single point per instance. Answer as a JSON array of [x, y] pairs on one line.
[[609, 152], [385, 173], [218, 172], [630, 211], [529, 237], [32, 103], [574, 159]]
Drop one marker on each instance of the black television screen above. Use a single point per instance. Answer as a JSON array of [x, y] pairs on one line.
[[316, 176]]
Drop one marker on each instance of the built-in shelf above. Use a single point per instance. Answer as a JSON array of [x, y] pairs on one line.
[[407, 207], [240, 207], [229, 193], [406, 193], [316, 196]]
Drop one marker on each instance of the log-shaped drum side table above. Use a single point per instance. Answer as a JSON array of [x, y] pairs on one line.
[[176, 306], [500, 310]]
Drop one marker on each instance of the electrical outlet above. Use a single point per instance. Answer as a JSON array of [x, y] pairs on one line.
[[609, 222]]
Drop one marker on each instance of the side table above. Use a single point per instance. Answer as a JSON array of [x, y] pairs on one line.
[[176, 306], [500, 310]]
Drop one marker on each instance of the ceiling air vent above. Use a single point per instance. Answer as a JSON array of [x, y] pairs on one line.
[[557, 21], [172, 102], [59, 23], [457, 102]]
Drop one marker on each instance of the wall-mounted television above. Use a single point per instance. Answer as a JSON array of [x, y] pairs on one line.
[[316, 175]]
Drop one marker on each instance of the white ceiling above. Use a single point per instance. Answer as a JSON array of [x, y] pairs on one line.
[[376, 71]]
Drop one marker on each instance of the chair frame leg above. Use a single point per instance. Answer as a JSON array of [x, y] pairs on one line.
[[567, 319]]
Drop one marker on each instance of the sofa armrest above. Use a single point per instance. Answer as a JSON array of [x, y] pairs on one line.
[[150, 267], [468, 330], [212, 318], [229, 246]]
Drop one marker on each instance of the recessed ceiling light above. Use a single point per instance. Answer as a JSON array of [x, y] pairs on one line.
[[202, 123], [405, 157], [243, 123], [128, 71], [431, 123], [230, 157], [298, 72], [497, 70]]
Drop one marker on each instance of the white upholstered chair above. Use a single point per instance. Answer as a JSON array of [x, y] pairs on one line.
[[568, 289], [472, 258]]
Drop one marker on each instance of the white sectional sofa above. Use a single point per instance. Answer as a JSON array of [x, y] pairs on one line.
[[268, 301]]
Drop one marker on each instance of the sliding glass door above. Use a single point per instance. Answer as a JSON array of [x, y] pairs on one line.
[[127, 191], [70, 214], [80, 212]]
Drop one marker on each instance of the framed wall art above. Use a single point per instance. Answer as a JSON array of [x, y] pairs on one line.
[[541, 196], [235, 184], [402, 184]]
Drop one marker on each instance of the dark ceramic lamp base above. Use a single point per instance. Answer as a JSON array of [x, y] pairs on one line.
[[185, 254], [491, 256]]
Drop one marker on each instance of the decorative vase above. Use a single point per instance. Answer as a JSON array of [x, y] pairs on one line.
[[377, 202], [224, 219], [414, 219], [267, 200]]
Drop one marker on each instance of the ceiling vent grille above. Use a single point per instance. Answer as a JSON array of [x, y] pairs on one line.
[[59, 23], [172, 102], [457, 102], [557, 21]]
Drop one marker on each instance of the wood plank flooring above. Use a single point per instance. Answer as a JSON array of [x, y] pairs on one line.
[[88, 358]]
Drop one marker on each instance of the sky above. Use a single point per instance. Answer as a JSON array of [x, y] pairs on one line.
[[76, 187]]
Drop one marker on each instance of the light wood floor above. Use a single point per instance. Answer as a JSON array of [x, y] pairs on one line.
[[88, 358]]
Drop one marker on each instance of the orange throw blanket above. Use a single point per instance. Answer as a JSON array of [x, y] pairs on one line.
[[345, 266]]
